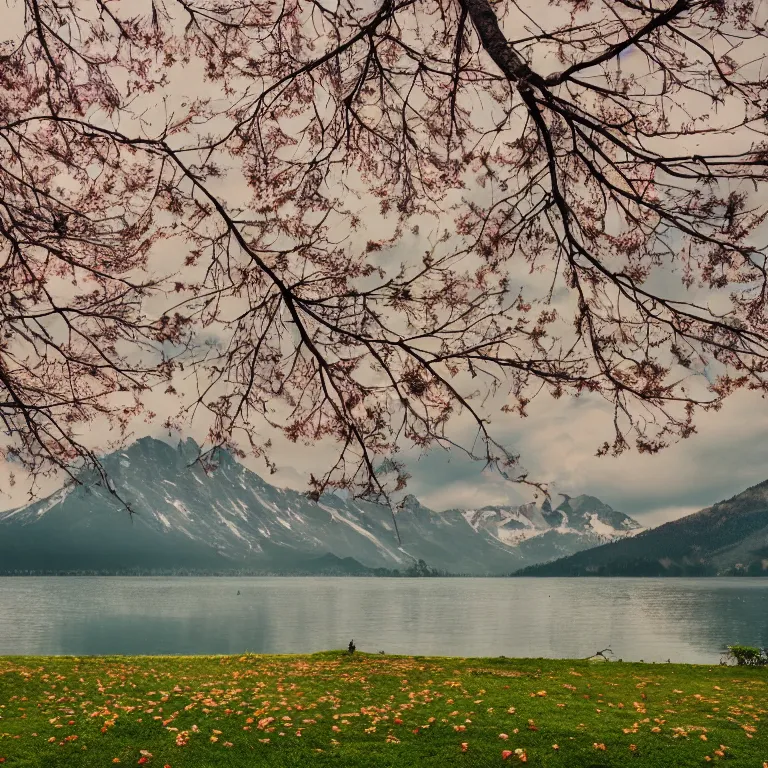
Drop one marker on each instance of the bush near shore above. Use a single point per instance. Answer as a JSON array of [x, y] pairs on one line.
[[336, 709]]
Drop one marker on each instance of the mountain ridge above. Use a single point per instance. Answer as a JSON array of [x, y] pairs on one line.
[[224, 517]]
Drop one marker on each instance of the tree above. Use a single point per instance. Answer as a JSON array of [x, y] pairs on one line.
[[248, 204], [420, 569]]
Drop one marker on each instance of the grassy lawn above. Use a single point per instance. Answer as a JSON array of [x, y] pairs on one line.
[[336, 710]]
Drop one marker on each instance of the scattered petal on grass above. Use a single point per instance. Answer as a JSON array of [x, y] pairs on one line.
[[305, 696]]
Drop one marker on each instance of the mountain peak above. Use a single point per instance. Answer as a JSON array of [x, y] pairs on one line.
[[144, 444], [411, 504], [188, 449], [148, 440]]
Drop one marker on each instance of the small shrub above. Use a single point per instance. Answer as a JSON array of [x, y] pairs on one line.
[[747, 655]]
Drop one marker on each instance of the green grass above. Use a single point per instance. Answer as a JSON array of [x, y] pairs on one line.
[[373, 710]]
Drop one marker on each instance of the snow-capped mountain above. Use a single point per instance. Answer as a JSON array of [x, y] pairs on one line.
[[579, 515], [228, 518]]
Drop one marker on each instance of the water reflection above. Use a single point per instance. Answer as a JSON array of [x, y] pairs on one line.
[[651, 619]]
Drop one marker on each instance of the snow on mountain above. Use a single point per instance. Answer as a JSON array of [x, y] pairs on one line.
[[582, 516], [228, 518]]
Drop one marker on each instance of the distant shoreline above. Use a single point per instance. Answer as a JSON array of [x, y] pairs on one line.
[[249, 574], [304, 575]]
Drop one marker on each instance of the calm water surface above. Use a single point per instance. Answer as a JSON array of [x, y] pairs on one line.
[[685, 620]]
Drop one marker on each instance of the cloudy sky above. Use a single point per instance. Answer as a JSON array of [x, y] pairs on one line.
[[558, 443]]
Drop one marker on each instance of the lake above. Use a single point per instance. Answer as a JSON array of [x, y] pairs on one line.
[[685, 620]]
